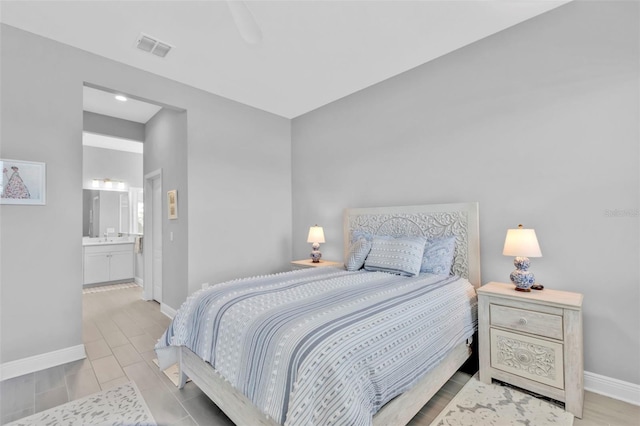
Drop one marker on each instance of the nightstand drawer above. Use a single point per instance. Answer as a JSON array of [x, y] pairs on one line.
[[525, 321], [534, 359]]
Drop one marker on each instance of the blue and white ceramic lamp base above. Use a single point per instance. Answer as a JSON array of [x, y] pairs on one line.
[[522, 278], [315, 253]]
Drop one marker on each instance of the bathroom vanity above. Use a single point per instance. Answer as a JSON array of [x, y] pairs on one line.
[[107, 260]]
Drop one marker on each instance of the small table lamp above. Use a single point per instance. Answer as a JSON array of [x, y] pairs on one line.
[[523, 244], [316, 236]]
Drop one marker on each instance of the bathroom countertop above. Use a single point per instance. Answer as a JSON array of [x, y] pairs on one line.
[[105, 241]]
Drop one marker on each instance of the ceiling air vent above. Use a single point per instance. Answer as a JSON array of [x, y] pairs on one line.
[[153, 45]]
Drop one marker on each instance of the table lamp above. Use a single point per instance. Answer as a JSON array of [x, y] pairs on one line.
[[316, 236], [523, 244]]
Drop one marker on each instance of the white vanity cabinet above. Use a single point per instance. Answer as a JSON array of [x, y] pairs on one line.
[[108, 262]]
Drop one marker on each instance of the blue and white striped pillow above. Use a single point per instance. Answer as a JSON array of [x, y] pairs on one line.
[[401, 256]]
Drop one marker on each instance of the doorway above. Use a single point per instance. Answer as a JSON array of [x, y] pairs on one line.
[[163, 130]]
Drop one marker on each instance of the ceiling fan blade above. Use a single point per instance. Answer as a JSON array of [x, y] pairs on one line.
[[245, 22]]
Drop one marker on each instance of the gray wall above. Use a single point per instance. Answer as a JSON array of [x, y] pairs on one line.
[[98, 163], [41, 264], [166, 149], [42, 120], [240, 195], [112, 126], [538, 123]]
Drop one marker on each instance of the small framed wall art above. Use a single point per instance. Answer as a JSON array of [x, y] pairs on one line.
[[172, 203], [23, 182]]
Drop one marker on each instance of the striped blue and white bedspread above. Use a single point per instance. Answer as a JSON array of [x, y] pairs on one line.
[[323, 346]]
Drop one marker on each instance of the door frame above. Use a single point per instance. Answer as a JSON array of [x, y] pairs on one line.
[[147, 293]]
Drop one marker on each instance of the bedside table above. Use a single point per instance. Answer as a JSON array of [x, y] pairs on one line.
[[532, 340], [307, 263]]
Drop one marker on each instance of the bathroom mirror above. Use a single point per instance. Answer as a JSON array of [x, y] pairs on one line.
[[111, 212]]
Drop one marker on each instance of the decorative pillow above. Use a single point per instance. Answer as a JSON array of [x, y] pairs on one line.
[[438, 256], [356, 235], [357, 254], [401, 256]]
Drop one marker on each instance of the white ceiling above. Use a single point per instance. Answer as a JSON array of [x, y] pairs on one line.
[[311, 53], [105, 103]]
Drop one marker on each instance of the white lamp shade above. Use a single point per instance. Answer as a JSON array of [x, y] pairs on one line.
[[521, 243], [316, 235]]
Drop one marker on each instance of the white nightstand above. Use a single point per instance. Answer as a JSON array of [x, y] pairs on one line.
[[307, 263], [532, 340]]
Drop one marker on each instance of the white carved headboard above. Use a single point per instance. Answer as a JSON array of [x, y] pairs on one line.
[[431, 221]]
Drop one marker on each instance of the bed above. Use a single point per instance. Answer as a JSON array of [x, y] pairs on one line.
[[281, 360]]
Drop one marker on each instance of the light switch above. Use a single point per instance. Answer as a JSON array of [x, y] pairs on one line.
[[171, 235]]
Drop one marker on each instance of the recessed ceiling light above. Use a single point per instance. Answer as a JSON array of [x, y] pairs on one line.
[[121, 98]]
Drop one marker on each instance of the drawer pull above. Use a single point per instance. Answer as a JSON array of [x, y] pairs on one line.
[[523, 321]]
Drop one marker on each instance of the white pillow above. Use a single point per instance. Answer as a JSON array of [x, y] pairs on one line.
[[438, 256], [357, 254]]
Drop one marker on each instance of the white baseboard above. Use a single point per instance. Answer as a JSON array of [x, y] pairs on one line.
[[139, 281], [167, 310], [34, 363], [613, 388]]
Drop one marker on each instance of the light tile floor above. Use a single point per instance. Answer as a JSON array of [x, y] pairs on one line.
[[119, 333]]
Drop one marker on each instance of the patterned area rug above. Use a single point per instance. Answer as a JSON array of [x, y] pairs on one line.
[[479, 404], [122, 405]]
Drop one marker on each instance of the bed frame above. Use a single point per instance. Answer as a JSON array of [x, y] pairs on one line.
[[436, 220]]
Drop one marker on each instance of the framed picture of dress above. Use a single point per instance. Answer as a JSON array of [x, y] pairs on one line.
[[23, 182]]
